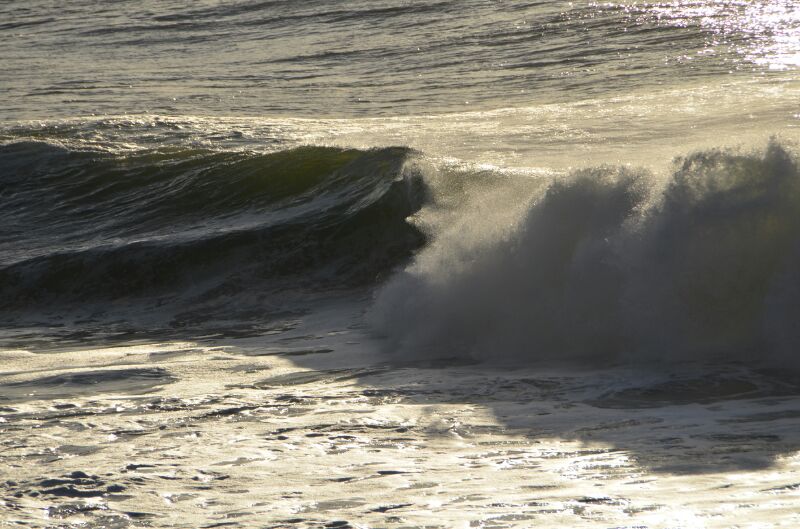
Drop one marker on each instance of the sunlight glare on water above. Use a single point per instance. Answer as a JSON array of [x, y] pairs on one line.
[[763, 33]]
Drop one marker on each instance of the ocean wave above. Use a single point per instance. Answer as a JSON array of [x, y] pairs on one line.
[[606, 264], [91, 225], [611, 265]]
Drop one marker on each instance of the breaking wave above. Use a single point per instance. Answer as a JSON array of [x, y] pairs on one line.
[[605, 265], [610, 265]]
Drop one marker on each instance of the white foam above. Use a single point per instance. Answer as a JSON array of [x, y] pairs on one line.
[[607, 265]]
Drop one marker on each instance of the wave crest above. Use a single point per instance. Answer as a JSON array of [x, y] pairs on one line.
[[612, 265]]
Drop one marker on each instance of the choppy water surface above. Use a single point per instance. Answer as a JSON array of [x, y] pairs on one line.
[[399, 264], [350, 58]]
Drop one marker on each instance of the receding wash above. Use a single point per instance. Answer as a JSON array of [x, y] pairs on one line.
[[400, 264]]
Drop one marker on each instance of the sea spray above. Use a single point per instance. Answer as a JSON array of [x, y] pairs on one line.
[[611, 265]]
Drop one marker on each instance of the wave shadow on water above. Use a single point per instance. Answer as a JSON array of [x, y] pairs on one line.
[[687, 419], [579, 441]]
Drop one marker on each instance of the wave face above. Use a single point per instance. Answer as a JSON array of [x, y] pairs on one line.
[[85, 225], [612, 265]]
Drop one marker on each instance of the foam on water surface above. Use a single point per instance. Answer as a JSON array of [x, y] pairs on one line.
[[312, 443]]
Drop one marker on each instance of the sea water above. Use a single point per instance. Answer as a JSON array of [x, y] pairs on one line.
[[399, 264]]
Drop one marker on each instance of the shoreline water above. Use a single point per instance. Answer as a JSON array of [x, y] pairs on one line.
[[180, 434]]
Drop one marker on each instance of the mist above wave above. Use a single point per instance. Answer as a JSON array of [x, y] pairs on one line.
[[607, 265]]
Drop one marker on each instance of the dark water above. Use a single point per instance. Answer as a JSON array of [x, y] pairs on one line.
[[88, 225]]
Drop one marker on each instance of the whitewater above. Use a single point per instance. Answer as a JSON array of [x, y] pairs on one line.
[[400, 264]]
